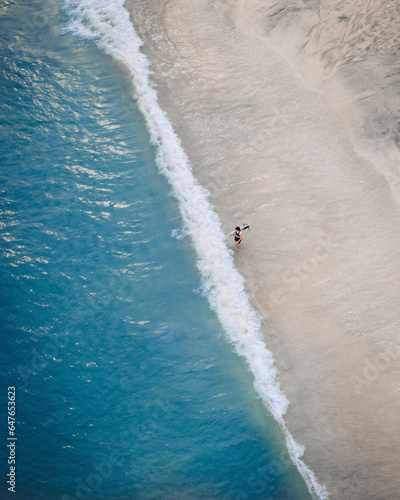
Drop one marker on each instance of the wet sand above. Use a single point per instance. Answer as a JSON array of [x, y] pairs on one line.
[[272, 137]]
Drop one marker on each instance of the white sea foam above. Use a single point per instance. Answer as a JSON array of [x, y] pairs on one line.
[[109, 25]]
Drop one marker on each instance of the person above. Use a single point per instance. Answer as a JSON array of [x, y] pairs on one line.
[[238, 236]]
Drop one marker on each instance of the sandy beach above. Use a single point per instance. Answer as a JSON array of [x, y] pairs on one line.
[[289, 115], [350, 50]]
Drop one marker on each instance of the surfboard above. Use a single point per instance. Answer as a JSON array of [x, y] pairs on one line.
[[245, 226]]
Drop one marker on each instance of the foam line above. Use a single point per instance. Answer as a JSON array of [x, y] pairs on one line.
[[109, 25]]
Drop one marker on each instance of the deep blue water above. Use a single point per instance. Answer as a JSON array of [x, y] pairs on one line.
[[126, 387]]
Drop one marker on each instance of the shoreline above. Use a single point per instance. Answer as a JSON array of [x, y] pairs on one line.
[[222, 284], [273, 152]]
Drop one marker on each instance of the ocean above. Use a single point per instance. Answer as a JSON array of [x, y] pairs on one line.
[[129, 348]]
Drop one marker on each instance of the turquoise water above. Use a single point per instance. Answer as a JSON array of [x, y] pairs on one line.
[[126, 386]]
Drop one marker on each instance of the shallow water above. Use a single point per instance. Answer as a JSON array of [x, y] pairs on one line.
[[126, 385]]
